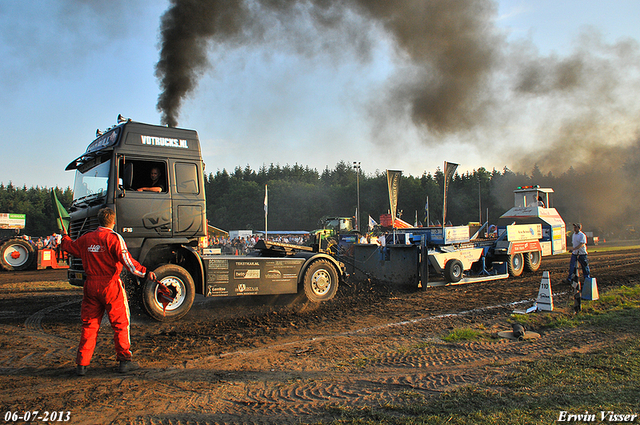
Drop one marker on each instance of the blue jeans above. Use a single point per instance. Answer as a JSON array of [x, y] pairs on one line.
[[584, 262]]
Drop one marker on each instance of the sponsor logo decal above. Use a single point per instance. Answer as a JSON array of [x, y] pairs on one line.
[[244, 288], [95, 248], [273, 274], [247, 274]]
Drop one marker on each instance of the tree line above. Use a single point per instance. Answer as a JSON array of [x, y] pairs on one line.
[[299, 197], [37, 204]]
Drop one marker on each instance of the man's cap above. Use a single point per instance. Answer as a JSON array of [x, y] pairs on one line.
[[578, 225]]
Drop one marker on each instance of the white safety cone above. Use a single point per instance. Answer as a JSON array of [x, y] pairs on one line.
[[545, 297], [590, 289]]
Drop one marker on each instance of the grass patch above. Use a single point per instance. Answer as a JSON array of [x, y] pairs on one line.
[[462, 334], [600, 248], [536, 392]]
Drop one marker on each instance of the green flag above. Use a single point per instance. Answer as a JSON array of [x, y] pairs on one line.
[[63, 216]]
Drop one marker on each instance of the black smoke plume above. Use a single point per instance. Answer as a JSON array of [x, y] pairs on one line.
[[450, 45]]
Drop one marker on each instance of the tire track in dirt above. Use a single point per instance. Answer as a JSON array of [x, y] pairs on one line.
[[437, 367], [34, 322], [34, 347], [434, 366], [34, 350]]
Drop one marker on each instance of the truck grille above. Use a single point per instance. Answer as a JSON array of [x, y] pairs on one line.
[[78, 228]]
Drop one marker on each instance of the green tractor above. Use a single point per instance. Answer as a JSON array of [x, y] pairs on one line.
[[336, 235]]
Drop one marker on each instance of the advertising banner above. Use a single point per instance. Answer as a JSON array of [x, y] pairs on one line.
[[12, 221]]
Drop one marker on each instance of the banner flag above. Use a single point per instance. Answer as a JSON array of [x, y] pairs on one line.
[[63, 219], [449, 171], [372, 223], [393, 182]]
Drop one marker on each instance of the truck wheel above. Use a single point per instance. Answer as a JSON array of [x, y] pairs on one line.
[[320, 281], [178, 280], [453, 271], [532, 261], [17, 254], [516, 264]]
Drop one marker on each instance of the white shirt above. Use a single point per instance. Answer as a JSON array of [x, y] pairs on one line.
[[577, 239]]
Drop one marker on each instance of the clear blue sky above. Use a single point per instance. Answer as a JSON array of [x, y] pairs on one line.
[[71, 67]]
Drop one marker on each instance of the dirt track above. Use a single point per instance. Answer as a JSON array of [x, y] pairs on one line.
[[268, 360]]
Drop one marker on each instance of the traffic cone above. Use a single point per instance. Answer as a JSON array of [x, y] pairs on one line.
[[545, 298], [590, 289]]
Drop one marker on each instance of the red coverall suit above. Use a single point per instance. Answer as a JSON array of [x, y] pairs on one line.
[[103, 253]]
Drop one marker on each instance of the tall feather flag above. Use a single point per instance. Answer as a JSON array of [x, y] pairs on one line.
[[449, 171], [393, 183], [63, 219]]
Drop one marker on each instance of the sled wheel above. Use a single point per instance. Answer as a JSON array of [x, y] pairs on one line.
[[532, 261], [516, 264], [17, 254], [179, 281], [453, 271], [320, 281]]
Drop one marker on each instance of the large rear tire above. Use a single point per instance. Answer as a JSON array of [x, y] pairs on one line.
[[516, 264], [320, 281], [179, 281], [17, 254], [532, 261], [453, 271]]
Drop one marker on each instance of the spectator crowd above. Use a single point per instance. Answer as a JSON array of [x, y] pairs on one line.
[[242, 245]]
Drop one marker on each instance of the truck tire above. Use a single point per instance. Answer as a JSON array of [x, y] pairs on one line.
[[453, 271], [515, 264], [17, 254], [177, 279], [532, 261], [320, 281]]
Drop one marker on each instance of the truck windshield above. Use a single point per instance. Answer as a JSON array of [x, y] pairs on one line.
[[91, 183]]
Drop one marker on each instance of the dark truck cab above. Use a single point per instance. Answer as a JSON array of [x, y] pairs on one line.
[[163, 228]]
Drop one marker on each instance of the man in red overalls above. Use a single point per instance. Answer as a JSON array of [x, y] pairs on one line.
[[103, 253]]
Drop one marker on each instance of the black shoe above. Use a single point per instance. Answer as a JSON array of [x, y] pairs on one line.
[[81, 370], [126, 366]]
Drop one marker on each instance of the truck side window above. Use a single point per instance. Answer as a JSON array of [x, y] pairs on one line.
[[187, 178], [149, 176]]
